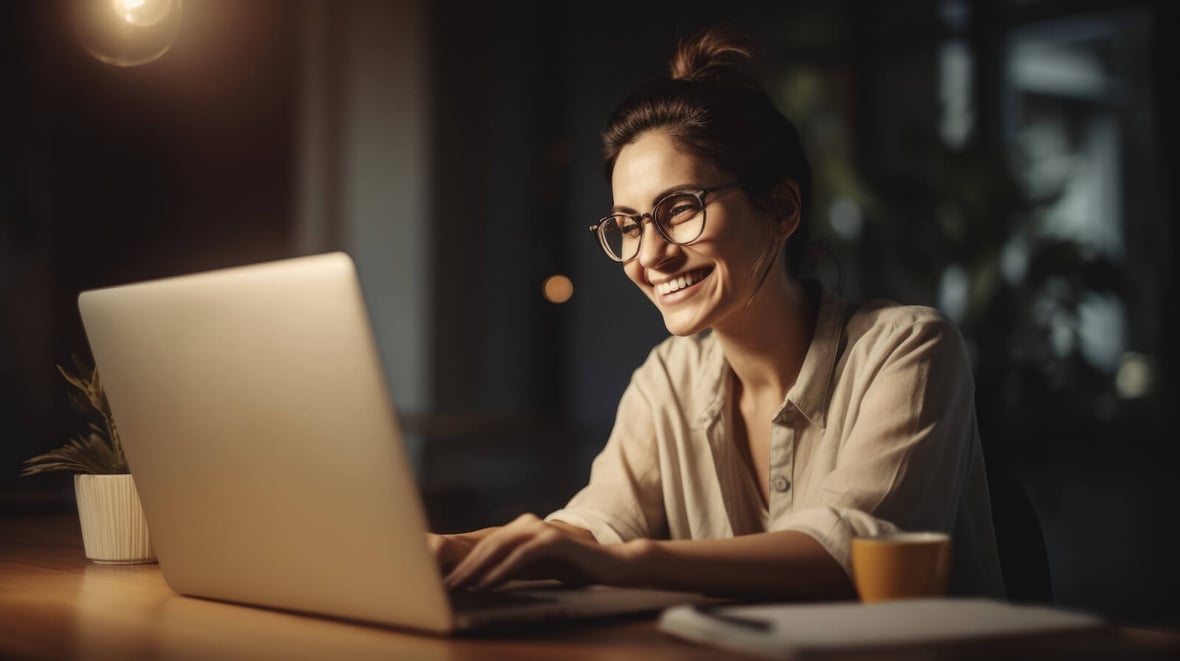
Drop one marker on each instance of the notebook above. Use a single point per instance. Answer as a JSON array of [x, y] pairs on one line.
[[257, 421], [786, 631]]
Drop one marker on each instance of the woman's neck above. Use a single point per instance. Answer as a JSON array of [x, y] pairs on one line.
[[767, 346]]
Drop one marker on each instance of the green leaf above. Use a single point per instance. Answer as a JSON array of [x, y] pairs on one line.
[[99, 451]]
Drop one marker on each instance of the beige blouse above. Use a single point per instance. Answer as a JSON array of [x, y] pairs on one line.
[[877, 434]]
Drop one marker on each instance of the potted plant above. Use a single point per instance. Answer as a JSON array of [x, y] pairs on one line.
[[114, 530]]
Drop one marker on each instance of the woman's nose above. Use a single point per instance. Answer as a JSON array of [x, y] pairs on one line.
[[654, 249]]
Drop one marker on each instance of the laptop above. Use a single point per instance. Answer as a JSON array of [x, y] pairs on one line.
[[257, 421]]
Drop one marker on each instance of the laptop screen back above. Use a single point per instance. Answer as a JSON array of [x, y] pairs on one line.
[[257, 422]]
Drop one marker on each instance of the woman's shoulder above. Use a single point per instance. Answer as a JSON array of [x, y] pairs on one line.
[[889, 323], [884, 337], [884, 313]]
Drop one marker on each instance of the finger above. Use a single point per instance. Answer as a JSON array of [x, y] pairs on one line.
[[544, 545], [447, 550], [435, 543], [471, 568], [555, 554], [489, 551], [493, 548]]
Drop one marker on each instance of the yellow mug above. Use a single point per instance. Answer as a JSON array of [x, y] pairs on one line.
[[902, 565]]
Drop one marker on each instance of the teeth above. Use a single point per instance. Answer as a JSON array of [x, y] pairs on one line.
[[678, 283]]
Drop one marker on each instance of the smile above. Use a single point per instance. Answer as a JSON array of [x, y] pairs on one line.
[[680, 282]]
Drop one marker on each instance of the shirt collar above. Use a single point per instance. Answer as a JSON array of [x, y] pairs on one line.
[[711, 390], [813, 385]]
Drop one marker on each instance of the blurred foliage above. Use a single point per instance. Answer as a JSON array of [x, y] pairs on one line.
[[967, 209], [938, 209], [96, 451]]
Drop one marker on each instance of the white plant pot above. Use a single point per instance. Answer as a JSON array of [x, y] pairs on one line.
[[114, 530]]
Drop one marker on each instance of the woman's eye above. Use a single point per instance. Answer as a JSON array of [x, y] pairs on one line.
[[682, 212]]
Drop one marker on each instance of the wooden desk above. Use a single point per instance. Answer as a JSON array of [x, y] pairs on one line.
[[56, 605]]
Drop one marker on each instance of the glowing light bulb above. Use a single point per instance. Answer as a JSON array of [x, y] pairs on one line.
[[127, 33], [143, 12]]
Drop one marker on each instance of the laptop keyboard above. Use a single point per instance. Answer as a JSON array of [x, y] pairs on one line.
[[466, 600]]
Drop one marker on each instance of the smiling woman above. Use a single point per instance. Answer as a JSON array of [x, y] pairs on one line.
[[779, 422], [700, 282]]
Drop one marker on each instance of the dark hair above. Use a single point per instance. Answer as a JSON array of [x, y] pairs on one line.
[[713, 107]]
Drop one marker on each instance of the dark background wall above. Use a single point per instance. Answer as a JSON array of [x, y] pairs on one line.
[[194, 161], [113, 174]]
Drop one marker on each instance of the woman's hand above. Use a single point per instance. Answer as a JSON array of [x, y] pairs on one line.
[[782, 565], [531, 548], [449, 550]]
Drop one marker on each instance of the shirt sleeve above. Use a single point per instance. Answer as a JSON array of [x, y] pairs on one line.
[[623, 499], [904, 461]]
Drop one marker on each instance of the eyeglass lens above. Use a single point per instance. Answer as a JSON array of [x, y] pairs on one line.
[[680, 218]]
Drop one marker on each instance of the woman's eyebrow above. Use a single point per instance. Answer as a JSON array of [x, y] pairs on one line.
[[657, 197]]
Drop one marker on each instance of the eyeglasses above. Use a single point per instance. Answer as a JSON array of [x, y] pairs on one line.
[[679, 217]]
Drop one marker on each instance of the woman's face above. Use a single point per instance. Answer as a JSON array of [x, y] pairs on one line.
[[718, 267]]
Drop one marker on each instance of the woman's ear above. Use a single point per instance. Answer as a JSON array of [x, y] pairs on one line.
[[784, 198]]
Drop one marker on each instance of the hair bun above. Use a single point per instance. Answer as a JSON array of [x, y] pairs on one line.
[[716, 56]]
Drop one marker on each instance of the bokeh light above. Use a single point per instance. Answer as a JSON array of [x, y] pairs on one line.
[[558, 289], [1133, 378]]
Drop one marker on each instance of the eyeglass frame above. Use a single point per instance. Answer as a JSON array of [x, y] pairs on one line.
[[699, 193]]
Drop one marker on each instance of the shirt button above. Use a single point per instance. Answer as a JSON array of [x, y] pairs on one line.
[[781, 484]]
